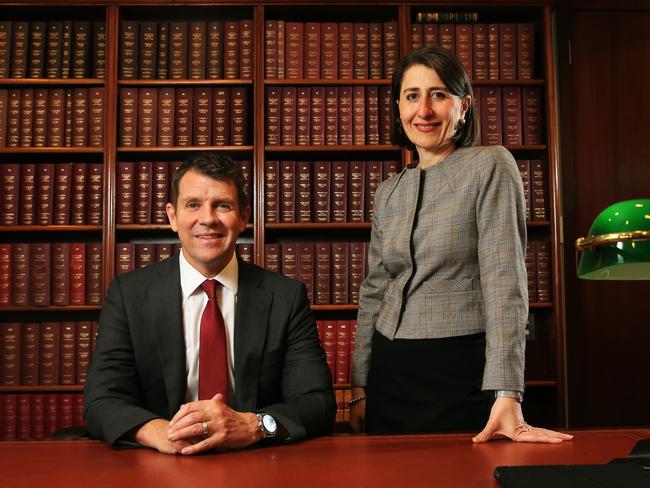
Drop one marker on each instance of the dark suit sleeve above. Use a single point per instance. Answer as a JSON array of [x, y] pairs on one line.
[[309, 408], [112, 391]]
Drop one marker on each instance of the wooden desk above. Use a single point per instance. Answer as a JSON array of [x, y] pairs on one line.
[[347, 461]]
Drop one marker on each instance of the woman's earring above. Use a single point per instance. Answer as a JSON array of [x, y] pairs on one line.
[[460, 124]]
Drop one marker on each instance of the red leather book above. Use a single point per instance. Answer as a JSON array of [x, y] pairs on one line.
[[99, 50], [77, 410], [538, 189], [316, 116], [94, 197], [173, 167], [329, 345], [543, 271], [62, 193], [126, 184], [27, 202], [19, 49], [129, 50], [494, 62], [391, 168], [280, 43], [375, 51], [270, 49], [6, 27], [214, 54], [53, 49], [287, 191], [512, 133], [272, 257], [96, 116], [144, 255], [160, 192], [49, 351], [10, 354], [294, 50], [391, 48], [313, 44], [447, 36], [94, 334], [342, 366], [385, 121], [80, 111], [29, 353], [245, 251], [77, 274], [480, 51], [128, 130], [532, 114], [290, 259], [55, 117], [67, 118], [322, 191], [221, 115], [163, 251], [303, 191], [23, 411], [345, 116], [356, 191], [360, 51], [340, 273], [124, 257], [197, 48], [246, 49], [288, 110], [430, 34], [508, 51], [78, 194], [331, 116], [346, 50], [357, 269], [60, 273], [273, 116], [147, 117], [10, 188], [82, 358], [246, 167], [374, 174], [231, 50], [531, 271], [303, 115], [178, 50], [372, 115], [148, 50], [26, 117], [238, 115], [491, 116], [51, 423], [322, 273], [4, 108], [93, 276], [524, 171], [416, 36], [44, 193], [329, 51], [166, 116], [64, 411], [525, 51], [9, 416], [20, 264], [68, 353], [81, 49], [272, 192], [202, 117], [339, 191], [5, 274], [162, 61], [143, 192], [464, 46], [39, 134], [66, 49], [184, 116], [13, 117], [37, 411], [306, 262]]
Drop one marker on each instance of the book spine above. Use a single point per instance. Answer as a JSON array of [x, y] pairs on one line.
[[20, 264], [270, 49], [512, 133], [346, 50], [342, 366], [81, 46], [508, 51], [10, 185], [357, 269], [288, 191], [6, 37], [26, 117], [246, 49], [128, 116], [294, 50], [62, 193], [160, 192], [202, 114], [66, 49], [9, 416], [375, 51], [60, 274], [99, 50], [221, 115], [53, 49], [144, 255], [303, 116], [143, 192], [184, 116], [360, 51], [214, 54], [162, 58], [447, 33], [322, 273], [391, 48], [331, 116], [197, 49], [49, 353], [37, 47], [55, 117], [30, 339], [273, 121], [345, 116], [166, 113], [78, 194], [178, 50], [372, 115], [538, 191], [532, 115], [339, 191], [290, 258], [96, 116], [329, 345], [464, 46], [272, 192], [329, 51], [306, 267], [288, 110], [245, 252], [524, 171], [317, 116], [543, 271], [40, 274], [67, 353], [124, 258], [125, 192], [312, 62], [10, 354], [322, 191], [272, 257], [93, 275], [374, 173], [14, 98], [303, 188], [356, 192], [480, 51], [281, 45], [494, 70], [359, 115], [19, 49], [5, 274], [531, 271], [94, 196], [238, 115], [4, 112], [45, 193], [340, 269], [82, 359], [39, 135], [231, 50], [491, 116], [147, 124], [129, 50]]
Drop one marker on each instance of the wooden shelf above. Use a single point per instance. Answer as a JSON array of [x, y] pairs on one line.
[[334, 308], [41, 389], [51, 308], [52, 81], [51, 228], [327, 82], [326, 148], [540, 305], [51, 150], [184, 149], [178, 82], [324, 226]]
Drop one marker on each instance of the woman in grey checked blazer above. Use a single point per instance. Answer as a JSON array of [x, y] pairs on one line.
[[440, 330]]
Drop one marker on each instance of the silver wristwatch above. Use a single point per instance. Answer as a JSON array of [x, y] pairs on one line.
[[517, 395], [267, 425]]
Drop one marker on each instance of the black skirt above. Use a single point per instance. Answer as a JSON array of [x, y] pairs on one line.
[[426, 385]]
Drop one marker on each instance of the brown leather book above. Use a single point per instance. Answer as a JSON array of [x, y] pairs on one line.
[[272, 257], [147, 50], [430, 35], [273, 122], [290, 259], [317, 116], [10, 187], [464, 46], [78, 194], [163, 251], [53, 49], [81, 49], [55, 117], [40, 274], [346, 50], [23, 412], [288, 110], [246, 167], [13, 117], [416, 36], [272, 191], [39, 131], [391, 48], [303, 190], [62, 193], [26, 117], [51, 414], [96, 116], [531, 271], [331, 115], [281, 51], [345, 116], [246, 49], [391, 168], [129, 50], [357, 269], [532, 114], [270, 49], [162, 61], [372, 115], [37, 413], [447, 36], [77, 274], [238, 115], [512, 133], [5, 274], [81, 115], [178, 45], [322, 273], [197, 47], [287, 191], [374, 174], [82, 359], [294, 50], [375, 51], [306, 267], [231, 50], [160, 192], [356, 191], [128, 116], [221, 116], [340, 273], [342, 362], [525, 51], [93, 273], [312, 68], [214, 54], [126, 181], [491, 116], [94, 195], [124, 257], [147, 117], [184, 116], [6, 27], [45, 193], [329, 346], [10, 359], [19, 49], [37, 47], [303, 116], [359, 115], [20, 264], [508, 51], [339, 184], [144, 255], [68, 118], [166, 112], [66, 49], [143, 192], [68, 353], [99, 49], [480, 51], [245, 251], [329, 51], [543, 252], [322, 177], [538, 189], [29, 353], [49, 353], [4, 100], [60, 274], [494, 70]]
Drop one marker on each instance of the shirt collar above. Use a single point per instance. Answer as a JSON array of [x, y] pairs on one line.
[[191, 278]]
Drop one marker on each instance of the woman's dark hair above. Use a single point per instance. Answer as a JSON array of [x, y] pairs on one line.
[[453, 75]]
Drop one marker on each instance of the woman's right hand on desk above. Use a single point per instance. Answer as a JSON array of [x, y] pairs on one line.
[[358, 410]]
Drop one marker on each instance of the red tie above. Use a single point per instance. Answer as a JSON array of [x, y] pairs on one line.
[[213, 358]]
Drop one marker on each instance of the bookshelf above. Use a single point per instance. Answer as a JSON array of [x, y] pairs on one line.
[[234, 99]]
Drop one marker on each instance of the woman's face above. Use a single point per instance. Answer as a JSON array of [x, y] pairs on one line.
[[429, 113]]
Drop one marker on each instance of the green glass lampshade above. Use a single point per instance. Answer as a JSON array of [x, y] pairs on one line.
[[618, 246]]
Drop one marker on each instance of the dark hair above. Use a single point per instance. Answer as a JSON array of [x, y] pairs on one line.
[[453, 75], [217, 166]]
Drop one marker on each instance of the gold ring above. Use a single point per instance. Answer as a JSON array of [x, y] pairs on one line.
[[205, 430]]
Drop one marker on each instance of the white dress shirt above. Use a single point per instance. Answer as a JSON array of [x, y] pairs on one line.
[[194, 302]]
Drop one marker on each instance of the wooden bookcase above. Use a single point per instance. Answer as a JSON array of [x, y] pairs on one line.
[[545, 397]]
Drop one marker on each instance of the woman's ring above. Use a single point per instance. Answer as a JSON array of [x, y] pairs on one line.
[[205, 430]]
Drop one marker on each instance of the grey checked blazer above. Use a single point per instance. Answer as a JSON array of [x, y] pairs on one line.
[[464, 226]]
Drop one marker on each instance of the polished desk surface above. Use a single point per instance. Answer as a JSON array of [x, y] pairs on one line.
[[348, 461]]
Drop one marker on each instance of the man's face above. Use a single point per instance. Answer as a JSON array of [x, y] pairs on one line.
[[207, 230]]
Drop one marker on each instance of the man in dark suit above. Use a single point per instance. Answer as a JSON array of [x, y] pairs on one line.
[[145, 370]]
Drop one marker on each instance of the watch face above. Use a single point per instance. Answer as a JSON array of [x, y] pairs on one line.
[[269, 424]]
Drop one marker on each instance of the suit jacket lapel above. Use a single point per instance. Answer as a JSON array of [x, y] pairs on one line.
[[251, 325]]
